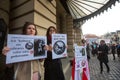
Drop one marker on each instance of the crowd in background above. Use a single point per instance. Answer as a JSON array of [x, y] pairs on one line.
[[92, 49], [101, 50]]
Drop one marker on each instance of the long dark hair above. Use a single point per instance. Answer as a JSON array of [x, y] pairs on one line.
[[47, 34], [25, 27]]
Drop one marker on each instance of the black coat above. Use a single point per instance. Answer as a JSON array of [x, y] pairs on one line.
[[103, 57], [53, 67]]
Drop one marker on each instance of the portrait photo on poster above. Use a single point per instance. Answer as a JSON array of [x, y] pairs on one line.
[[39, 47], [83, 51]]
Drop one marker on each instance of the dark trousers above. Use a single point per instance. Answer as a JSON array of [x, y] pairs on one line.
[[113, 56], [118, 53], [101, 66]]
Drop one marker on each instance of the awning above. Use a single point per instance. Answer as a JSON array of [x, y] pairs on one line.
[[82, 10]]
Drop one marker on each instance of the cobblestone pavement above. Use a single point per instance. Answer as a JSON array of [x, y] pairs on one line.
[[94, 67], [114, 69]]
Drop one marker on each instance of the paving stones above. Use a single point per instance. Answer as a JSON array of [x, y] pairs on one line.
[[114, 73], [94, 67]]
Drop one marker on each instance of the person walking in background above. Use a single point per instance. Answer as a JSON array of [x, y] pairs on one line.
[[109, 48], [88, 49], [53, 67], [118, 49], [94, 48], [113, 50], [28, 70], [103, 56]]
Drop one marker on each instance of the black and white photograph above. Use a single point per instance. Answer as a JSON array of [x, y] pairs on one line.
[[83, 51], [39, 45]]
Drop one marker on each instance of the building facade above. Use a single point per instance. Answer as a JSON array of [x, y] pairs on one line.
[[43, 13]]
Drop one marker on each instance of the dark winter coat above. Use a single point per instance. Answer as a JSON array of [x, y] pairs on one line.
[[113, 47], [53, 67], [103, 57]]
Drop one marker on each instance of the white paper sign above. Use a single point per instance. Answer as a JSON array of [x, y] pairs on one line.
[[80, 57], [59, 43], [81, 63], [25, 47]]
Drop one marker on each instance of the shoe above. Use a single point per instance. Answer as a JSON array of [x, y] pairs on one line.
[[108, 71], [100, 72]]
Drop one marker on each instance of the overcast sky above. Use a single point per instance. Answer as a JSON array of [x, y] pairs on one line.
[[109, 21]]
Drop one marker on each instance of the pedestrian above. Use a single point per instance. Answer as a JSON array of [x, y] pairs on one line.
[[94, 48], [53, 67], [88, 49], [118, 49], [103, 55], [113, 48], [28, 70]]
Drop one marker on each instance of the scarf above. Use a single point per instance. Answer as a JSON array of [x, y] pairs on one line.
[[49, 39]]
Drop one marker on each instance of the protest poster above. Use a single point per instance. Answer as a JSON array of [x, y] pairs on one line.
[[59, 43], [80, 51], [25, 47], [80, 57], [81, 64]]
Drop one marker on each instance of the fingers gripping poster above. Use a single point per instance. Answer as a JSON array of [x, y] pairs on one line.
[[25, 47], [59, 43]]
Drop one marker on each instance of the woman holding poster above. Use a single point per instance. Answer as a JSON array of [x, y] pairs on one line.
[[28, 70], [53, 67]]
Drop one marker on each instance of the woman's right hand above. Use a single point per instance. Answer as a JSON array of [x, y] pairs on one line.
[[50, 47], [5, 50]]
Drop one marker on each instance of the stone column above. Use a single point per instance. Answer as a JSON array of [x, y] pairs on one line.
[[70, 35], [78, 35]]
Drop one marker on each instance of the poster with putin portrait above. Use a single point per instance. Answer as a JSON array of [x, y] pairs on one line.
[[25, 48], [59, 45]]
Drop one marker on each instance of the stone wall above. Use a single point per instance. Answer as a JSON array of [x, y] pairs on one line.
[[40, 12]]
